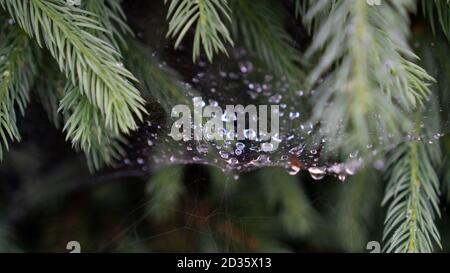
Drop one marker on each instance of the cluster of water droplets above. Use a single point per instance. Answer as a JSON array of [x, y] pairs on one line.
[[241, 82]]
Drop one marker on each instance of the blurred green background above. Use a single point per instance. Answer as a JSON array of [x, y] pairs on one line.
[[48, 197]]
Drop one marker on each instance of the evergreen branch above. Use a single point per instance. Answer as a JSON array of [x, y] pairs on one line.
[[413, 188], [413, 197], [438, 11], [112, 17], [366, 96], [90, 62], [102, 148], [261, 28], [17, 72], [84, 124], [85, 127], [209, 18]]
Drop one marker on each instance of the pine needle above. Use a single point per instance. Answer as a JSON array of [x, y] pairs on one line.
[[209, 17]]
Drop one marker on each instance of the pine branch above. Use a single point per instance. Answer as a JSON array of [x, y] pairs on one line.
[[413, 190], [85, 127], [260, 26], [366, 97], [89, 62], [413, 196], [209, 18], [17, 72], [83, 122]]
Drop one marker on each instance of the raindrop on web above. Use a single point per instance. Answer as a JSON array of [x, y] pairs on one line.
[[317, 173]]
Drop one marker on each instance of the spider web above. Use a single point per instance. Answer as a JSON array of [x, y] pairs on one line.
[[239, 81]]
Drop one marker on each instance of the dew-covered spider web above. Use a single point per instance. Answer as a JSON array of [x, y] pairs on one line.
[[302, 146]]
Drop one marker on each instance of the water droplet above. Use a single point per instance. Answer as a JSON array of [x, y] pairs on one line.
[[240, 145], [267, 147], [335, 168], [342, 177], [250, 134], [317, 173], [293, 170], [350, 171], [354, 154], [230, 135], [198, 102], [294, 115], [223, 154], [140, 161], [213, 103], [275, 99], [202, 148], [233, 161], [246, 67]]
